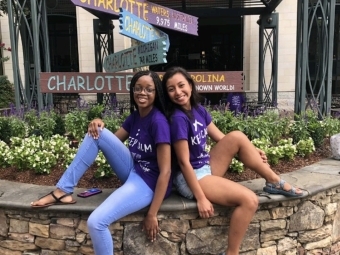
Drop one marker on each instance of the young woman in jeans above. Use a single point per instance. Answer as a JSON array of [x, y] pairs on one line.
[[201, 175], [143, 168]]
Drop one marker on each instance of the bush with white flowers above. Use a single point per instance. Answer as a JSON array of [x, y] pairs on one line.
[[37, 153], [287, 148], [4, 154], [104, 169], [305, 147], [236, 166]]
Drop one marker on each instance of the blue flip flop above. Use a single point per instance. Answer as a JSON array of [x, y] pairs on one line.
[[277, 188]]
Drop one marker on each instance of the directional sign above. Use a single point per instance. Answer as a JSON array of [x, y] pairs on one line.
[[150, 12], [138, 29], [145, 54], [172, 19], [72, 82]]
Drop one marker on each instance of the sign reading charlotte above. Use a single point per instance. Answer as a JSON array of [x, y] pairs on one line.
[[138, 29], [206, 82], [145, 54], [150, 12]]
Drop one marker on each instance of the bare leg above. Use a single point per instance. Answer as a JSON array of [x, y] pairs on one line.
[[238, 143], [221, 191]]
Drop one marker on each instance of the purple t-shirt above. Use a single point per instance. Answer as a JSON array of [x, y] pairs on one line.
[[194, 131], [235, 100], [144, 134]]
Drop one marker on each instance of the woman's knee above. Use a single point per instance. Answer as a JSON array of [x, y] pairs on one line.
[[250, 201], [94, 222], [253, 202], [236, 135]]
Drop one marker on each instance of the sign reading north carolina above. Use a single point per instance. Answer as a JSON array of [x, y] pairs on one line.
[[145, 54], [206, 82], [138, 29], [150, 12]]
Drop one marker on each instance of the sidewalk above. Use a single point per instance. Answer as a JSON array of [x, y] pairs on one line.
[[312, 179]]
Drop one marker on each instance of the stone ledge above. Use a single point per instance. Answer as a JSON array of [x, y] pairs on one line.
[[313, 179]]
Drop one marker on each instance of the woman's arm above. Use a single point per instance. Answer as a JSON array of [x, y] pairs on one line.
[[164, 164], [98, 123], [122, 134], [205, 208], [214, 132]]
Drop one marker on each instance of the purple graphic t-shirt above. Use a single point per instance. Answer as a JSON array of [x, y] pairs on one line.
[[194, 131], [144, 134]]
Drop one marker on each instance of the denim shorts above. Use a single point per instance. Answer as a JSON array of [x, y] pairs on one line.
[[182, 186]]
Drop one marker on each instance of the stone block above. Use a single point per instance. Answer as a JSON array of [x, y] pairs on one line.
[[17, 246], [136, 242], [308, 217], [39, 229], [273, 225], [28, 238], [4, 251], [50, 244], [315, 235], [62, 232], [319, 244], [18, 226]]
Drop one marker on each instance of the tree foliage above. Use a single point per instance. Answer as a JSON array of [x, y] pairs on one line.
[[6, 92], [3, 6]]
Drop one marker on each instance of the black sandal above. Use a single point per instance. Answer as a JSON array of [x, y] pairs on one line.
[[57, 200]]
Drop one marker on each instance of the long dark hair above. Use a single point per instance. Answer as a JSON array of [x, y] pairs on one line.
[[195, 98], [159, 96]]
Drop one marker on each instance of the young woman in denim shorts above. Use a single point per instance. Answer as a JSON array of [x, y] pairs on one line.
[[201, 175]]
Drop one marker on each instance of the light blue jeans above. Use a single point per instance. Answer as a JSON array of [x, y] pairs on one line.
[[132, 196]]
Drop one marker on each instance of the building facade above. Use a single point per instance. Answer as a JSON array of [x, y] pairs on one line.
[[224, 44]]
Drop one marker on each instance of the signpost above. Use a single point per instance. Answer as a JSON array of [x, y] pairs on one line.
[[145, 54], [138, 29], [150, 12], [206, 82]]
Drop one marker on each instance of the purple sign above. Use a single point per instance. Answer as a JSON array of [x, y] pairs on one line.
[[171, 19], [150, 12]]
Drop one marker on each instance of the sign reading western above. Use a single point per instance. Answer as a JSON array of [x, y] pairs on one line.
[[206, 82], [150, 12], [138, 29], [145, 54]]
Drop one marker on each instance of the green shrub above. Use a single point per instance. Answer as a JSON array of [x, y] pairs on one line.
[[305, 147], [96, 111], [112, 120], [59, 128], [47, 123], [76, 123], [6, 92], [5, 129], [298, 130], [18, 127], [31, 118]]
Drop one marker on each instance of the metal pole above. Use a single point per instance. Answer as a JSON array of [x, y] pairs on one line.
[[331, 20]]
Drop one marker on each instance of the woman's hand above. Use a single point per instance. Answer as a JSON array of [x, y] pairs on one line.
[[205, 208], [92, 129], [150, 226]]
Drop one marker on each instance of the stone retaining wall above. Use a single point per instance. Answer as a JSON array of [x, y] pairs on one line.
[[301, 226]]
